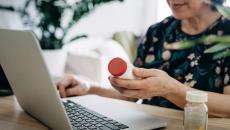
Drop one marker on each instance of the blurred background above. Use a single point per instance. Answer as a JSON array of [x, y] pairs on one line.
[[103, 19], [81, 36]]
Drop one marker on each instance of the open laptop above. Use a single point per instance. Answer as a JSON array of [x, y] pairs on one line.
[[24, 66]]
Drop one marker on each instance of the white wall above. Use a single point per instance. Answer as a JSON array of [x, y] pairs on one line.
[[163, 10], [150, 13], [130, 15]]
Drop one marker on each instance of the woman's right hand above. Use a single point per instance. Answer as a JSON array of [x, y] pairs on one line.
[[71, 85]]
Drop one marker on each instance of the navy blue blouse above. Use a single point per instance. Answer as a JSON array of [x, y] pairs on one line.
[[192, 66]]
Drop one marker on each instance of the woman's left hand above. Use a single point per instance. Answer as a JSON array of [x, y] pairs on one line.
[[152, 82]]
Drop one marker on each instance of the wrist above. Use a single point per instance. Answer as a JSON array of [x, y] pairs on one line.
[[176, 88], [93, 89]]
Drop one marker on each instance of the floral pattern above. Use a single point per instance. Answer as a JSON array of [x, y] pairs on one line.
[[192, 66]]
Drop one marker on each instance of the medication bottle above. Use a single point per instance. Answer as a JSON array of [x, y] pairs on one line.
[[196, 110], [120, 68]]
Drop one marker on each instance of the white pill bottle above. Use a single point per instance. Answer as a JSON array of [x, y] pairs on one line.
[[121, 68], [196, 110]]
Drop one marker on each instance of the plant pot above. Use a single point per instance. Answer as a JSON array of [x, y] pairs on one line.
[[55, 61]]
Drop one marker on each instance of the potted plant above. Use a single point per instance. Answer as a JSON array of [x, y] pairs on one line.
[[50, 22]]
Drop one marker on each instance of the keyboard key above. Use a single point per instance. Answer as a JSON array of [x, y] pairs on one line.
[[82, 127], [112, 121], [113, 127], [94, 122], [81, 116], [104, 122], [78, 120], [90, 116], [94, 118], [99, 120], [107, 119], [85, 113], [89, 120], [85, 118], [123, 126], [117, 124], [87, 125], [76, 124], [83, 122], [105, 128], [92, 127], [99, 125]]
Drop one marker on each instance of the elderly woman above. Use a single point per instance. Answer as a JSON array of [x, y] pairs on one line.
[[169, 74]]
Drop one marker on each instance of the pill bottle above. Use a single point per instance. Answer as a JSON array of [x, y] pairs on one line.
[[196, 110], [121, 68]]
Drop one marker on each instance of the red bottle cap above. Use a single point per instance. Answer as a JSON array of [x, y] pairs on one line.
[[117, 66]]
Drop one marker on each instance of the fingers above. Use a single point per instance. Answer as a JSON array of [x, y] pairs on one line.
[[75, 91], [62, 92], [145, 73], [65, 83], [128, 84]]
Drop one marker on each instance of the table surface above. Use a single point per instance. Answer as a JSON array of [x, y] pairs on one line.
[[12, 117]]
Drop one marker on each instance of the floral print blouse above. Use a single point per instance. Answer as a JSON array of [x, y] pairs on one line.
[[192, 66]]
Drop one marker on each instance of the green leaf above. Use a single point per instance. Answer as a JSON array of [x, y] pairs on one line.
[[77, 37], [215, 39], [7, 8], [222, 54], [187, 44], [180, 45], [217, 47]]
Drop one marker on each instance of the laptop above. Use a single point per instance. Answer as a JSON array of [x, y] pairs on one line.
[[22, 61]]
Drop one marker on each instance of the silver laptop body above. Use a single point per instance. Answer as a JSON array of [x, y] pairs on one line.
[[22, 61]]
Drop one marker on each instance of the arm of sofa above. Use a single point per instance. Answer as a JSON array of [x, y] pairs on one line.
[[90, 57], [128, 41]]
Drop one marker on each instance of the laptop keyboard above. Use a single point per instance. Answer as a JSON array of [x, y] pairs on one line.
[[82, 118]]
